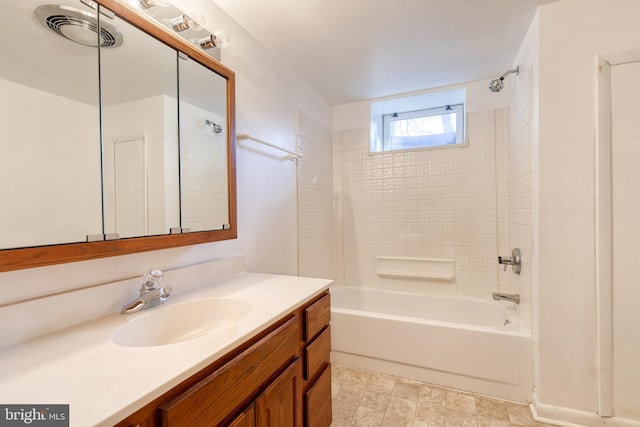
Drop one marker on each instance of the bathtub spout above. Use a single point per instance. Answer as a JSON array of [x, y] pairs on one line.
[[507, 297]]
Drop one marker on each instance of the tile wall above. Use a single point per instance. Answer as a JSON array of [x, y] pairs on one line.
[[315, 194], [439, 203]]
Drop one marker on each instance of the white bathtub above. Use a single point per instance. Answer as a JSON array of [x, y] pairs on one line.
[[466, 343]]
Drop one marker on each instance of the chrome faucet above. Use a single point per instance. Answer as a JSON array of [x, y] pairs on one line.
[[514, 260], [506, 297], [150, 294]]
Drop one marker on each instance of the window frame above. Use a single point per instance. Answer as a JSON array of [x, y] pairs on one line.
[[386, 119]]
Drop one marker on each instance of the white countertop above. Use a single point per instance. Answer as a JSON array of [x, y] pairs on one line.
[[103, 382]]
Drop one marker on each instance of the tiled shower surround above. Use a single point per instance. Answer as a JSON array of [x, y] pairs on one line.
[[436, 203], [315, 195]]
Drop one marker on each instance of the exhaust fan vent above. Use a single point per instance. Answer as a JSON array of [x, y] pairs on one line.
[[78, 26]]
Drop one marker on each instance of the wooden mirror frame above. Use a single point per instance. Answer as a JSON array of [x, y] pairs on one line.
[[23, 258]]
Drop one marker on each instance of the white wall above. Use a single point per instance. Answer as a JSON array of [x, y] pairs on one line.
[[267, 97], [572, 34], [51, 180]]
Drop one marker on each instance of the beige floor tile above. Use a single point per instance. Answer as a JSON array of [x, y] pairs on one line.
[[349, 393], [335, 389], [461, 402], [492, 422], [343, 411], [363, 399], [391, 420], [376, 400], [359, 378], [401, 407], [433, 395], [406, 390], [461, 419], [382, 383], [430, 414], [521, 415], [366, 417], [339, 373], [491, 408]]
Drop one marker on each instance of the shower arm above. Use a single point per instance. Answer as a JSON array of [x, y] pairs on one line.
[[516, 70]]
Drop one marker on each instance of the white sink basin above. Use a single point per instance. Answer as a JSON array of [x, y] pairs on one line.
[[172, 324]]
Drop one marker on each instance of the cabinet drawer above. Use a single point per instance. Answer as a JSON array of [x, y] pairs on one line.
[[318, 401], [316, 317], [211, 400], [316, 355]]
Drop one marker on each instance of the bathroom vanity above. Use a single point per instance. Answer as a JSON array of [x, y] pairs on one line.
[[280, 377], [261, 358]]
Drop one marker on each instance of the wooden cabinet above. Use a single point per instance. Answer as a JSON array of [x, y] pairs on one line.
[[280, 404], [279, 378], [212, 399], [246, 418], [316, 317], [317, 369], [317, 399]]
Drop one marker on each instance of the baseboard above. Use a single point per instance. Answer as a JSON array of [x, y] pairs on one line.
[[567, 417]]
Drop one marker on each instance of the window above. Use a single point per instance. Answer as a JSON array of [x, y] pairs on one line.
[[433, 127]]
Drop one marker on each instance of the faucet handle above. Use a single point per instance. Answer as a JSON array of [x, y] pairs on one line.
[[152, 279], [514, 261]]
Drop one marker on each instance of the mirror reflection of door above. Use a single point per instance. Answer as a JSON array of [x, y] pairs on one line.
[[139, 86], [203, 148], [125, 186]]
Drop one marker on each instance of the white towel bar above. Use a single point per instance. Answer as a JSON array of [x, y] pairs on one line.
[[245, 136]]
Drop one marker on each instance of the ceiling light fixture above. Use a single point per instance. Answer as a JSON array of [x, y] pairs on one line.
[[218, 39], [184, 22]]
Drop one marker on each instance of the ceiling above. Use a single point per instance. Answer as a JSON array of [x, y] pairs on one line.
[[362, 49]]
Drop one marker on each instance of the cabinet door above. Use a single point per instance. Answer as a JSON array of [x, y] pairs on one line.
[[318, 401], [279, 405], [246, 419]]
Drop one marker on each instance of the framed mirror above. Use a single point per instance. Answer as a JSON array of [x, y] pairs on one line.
[[130, 164]]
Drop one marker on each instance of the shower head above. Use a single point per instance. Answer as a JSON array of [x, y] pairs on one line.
[[496, 85], [78, 26]]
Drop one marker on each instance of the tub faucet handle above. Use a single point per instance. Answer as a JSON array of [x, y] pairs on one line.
[[503, 262], [514, 261]]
